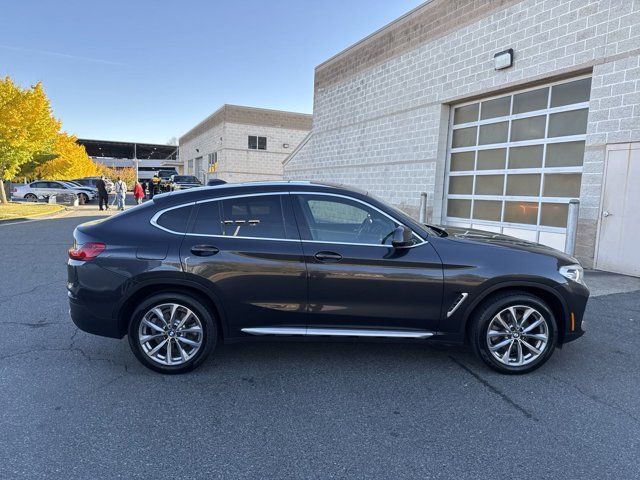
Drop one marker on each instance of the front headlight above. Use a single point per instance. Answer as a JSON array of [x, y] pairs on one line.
[[573, 272]]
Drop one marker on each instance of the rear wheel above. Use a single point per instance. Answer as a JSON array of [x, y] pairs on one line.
[[30, 197], [514, 333], [172, 333]]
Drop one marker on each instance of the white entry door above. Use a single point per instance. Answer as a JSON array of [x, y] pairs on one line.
[[620, 223]]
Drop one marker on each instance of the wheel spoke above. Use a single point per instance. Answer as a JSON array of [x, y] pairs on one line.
[[188, 341], [146, 338], [184, 319], [169, 352], [519, 353], [150, 324], [533, 325], [514, 316], [525, 316], [531, 347], [157, 347], [159, 314], [505, 357], [191, 330], [501, 344], [537, 336], [492, 333], [174, 307], [502, 322], [183, 354]]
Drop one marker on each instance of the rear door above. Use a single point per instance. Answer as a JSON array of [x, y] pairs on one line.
[[249, 249], [357, 280]]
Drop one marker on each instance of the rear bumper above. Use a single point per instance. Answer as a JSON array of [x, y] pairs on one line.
[[88, 321]]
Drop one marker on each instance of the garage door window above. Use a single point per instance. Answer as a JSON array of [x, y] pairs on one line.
[[516, 160]]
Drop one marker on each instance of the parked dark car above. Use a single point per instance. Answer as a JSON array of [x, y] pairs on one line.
[[251, 262], [183, 182]]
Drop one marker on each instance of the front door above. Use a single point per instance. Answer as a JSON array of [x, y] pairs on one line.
[[620, 215], [249, 249], [357, 280]]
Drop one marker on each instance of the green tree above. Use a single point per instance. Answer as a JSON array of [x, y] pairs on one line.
[[28, 129]]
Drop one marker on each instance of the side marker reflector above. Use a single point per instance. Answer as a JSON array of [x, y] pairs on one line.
[[573, 322]]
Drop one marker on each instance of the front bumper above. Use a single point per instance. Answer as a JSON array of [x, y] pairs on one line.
[[576, 296]]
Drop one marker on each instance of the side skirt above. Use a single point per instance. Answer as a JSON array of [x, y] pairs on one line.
[[337, 332]]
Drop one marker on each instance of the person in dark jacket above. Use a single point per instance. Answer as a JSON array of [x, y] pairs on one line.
[[150, 188], [103, 196]]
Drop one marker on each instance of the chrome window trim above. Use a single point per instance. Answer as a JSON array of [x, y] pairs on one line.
[[157, 215]]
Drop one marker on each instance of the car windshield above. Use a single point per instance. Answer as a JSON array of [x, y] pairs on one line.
[[186, 179], [72, 183], [166, 173]]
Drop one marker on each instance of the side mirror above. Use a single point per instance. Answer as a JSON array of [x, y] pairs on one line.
[[402, 237]]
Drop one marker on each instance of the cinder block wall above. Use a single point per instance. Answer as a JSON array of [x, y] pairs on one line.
[[381, 108]]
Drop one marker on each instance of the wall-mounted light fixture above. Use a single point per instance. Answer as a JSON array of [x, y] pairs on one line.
[[503, 59]]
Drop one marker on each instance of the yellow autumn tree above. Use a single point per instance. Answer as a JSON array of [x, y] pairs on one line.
[[27, 128], [70, 160]]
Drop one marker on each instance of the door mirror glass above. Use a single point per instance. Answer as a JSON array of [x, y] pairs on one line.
[[402, 237]]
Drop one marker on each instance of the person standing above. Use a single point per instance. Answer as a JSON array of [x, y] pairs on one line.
[[156, 184], [103, 195], [121, 193], [150, 188], [138, 192]]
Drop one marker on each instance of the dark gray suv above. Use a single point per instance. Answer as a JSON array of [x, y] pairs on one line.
[[258, 261]]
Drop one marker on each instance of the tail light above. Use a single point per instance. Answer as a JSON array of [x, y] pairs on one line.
[[14, 190], [87, 251]]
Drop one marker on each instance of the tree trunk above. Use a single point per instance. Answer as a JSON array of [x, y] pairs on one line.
[[3, 194]]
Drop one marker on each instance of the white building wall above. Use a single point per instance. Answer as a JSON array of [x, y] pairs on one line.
[[385, 129]]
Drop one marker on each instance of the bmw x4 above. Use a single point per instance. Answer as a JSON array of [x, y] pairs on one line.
[[258, 261]]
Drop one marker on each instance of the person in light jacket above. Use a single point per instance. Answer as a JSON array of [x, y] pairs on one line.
[[121, 193]]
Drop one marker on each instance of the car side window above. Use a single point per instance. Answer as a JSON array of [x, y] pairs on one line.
[[208, 219], [38, 185], [337, 219], [55, 185], [258, 216], [175, 219]]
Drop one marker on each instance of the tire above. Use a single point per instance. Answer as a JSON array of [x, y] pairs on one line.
[[183, 355], [30, 197], [521, 349]]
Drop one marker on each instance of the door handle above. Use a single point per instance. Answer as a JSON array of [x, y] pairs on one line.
[[204, 250], [328, 257]]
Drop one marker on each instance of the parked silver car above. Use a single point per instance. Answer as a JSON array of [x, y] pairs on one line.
[[91, 182], [43, 189]]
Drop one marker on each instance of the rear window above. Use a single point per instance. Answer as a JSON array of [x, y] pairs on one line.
[[176, 219]]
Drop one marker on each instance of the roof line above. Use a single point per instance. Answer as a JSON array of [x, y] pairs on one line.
[[374, 34], [298, 148]]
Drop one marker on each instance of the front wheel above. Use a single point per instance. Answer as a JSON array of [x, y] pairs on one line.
[[172, 333], [30, 197], [514, 333]]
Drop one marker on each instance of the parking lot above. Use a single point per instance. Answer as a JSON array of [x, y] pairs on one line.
[[80, 406]]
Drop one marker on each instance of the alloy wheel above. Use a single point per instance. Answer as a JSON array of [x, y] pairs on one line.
[[517, 335], [170, 334]]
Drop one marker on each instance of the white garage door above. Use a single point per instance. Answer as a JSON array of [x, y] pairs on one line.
[[515, 161]]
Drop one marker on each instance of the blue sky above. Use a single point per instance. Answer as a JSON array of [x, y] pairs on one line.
[[150, 70]]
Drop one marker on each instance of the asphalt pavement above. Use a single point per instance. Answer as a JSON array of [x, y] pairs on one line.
[[73, 405]]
